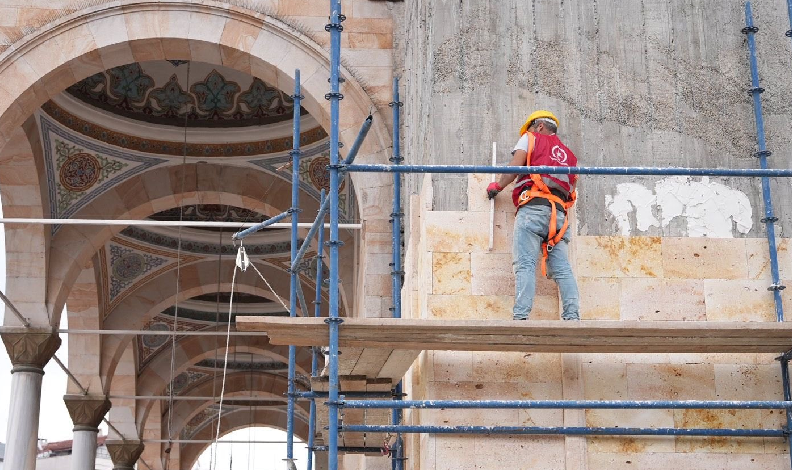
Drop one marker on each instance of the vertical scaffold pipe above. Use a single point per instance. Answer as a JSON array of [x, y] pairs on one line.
[[769, 219], [295, 212], [314, 352], [396, 272], [334, 321]]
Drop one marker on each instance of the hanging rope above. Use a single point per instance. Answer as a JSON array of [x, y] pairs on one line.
[[178, 278], [241, 256]]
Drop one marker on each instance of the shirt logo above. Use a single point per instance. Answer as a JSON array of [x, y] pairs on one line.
[[559, 155]]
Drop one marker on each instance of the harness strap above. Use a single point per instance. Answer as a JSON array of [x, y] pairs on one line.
[[540, 190]]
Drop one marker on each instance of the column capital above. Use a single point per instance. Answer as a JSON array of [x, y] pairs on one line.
[[124, 454], [31, 351], [86, 411]]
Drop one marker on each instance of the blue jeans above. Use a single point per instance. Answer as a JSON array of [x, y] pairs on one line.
[[530, 230]]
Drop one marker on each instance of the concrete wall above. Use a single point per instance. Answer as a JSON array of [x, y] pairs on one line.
[[649, 83]]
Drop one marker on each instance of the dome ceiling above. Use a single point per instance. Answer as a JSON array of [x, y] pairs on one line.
[[174, 92]]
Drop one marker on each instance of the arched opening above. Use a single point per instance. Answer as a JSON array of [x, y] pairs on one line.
[[258, 455]]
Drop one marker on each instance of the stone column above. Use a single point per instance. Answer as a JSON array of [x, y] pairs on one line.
[[86, 413], [29, 352], [124, 454]]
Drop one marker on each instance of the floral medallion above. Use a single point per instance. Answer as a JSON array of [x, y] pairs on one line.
[[129, 266], [80, 172], [320, 176]]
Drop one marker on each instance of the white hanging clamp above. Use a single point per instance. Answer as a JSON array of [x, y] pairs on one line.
[[242, 260]]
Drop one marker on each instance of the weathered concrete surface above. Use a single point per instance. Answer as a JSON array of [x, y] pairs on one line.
[[642, 83]]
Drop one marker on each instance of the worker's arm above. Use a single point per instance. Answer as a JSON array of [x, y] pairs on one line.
[[518, 159]]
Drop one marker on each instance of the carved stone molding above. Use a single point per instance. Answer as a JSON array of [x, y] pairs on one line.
[[30, 350], [86, 411], [124, 454]]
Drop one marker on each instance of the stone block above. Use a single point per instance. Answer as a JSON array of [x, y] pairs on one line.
[[477, 195], [456, 231], [748, 381], [451, 366], [539, 417], [600, 298], [670, 382], [470, 307], [704, 258], [630, 418], [604, 381], [452, 452], [492, 274], [517, 367], [662, 461], [370, 40], [662, 299], [618, 256], [725, 419], [758, 253], [451, 273], [739, 300]]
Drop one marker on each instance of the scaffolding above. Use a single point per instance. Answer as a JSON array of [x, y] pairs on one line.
[[337, 402]]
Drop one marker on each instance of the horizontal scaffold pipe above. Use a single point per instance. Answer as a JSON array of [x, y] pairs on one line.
[[315, 395], [189, 398], [250, 231], [563, 430], [12, 329], [569, 404], [565, 170], [161, 223], [358, 450]]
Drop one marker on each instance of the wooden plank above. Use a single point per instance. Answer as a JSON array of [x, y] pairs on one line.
[[531, 336]]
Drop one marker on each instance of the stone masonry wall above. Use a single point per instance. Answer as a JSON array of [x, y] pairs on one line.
[[451, 274]]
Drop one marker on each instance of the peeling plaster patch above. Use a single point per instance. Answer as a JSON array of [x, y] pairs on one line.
[[632, 197], [710, 209]]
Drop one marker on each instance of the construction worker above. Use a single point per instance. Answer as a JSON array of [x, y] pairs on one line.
[[542, 203]]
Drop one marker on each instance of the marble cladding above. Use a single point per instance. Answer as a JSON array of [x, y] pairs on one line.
[[453, 275]]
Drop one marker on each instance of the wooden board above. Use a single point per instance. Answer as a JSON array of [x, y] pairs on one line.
[[531, 336]]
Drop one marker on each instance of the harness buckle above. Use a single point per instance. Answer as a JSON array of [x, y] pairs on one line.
[[550, 247]]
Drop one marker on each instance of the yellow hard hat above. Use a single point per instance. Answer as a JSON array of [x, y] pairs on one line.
[[538, 115]]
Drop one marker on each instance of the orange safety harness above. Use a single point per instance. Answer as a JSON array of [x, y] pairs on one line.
[[540, 189]]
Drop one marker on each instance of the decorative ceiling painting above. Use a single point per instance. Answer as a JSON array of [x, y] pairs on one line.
[[314, 176], [149, 346], [126, 265], [178, 93], [80, 169], [174, 148]]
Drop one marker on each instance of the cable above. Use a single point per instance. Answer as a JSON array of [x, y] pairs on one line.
[[178, 271], [213, 465], [270, 287]]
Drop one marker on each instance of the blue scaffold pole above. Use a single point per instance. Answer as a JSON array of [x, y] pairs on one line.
[[564, 430], [250, 231], [335, 28], [570, 404], [769, 218], [397, 462], [314, 352], [295, 212], [577, 170]]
